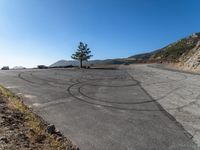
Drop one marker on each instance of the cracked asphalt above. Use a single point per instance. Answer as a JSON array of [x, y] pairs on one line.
[[137, 107]]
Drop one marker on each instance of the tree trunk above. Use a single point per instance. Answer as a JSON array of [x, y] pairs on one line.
[[81, 63]]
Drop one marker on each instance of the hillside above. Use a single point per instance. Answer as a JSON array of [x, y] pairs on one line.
[[180, 49], [185, 53]]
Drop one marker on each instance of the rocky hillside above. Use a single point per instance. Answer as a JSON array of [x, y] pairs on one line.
[[177, 51], [185, 53]]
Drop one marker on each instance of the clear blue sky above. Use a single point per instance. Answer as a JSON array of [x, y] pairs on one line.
[[36, 32]]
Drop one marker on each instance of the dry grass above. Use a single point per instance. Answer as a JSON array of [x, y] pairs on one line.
[[36, 125]]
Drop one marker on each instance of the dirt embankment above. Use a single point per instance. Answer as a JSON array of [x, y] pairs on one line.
[[21, 129]]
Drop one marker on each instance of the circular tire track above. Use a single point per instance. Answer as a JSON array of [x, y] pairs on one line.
[[87, 81], [112, 102], [94, 101]]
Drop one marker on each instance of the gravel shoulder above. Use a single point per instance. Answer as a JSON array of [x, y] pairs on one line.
[[21, 129]]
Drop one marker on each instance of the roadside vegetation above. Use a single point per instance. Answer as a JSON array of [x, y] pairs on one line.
[[22, 129], [174, 51]]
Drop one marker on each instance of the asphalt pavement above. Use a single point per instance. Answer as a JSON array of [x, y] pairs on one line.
[[102, 109]]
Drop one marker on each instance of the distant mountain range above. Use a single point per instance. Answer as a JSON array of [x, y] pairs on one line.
[[63, 63], [185, 52], [66, 63]]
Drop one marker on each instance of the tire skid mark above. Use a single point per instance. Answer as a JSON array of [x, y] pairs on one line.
[[86, 81], [100, 100], [69, 89]]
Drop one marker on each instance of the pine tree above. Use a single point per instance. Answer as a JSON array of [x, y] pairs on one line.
[[82, 53]]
